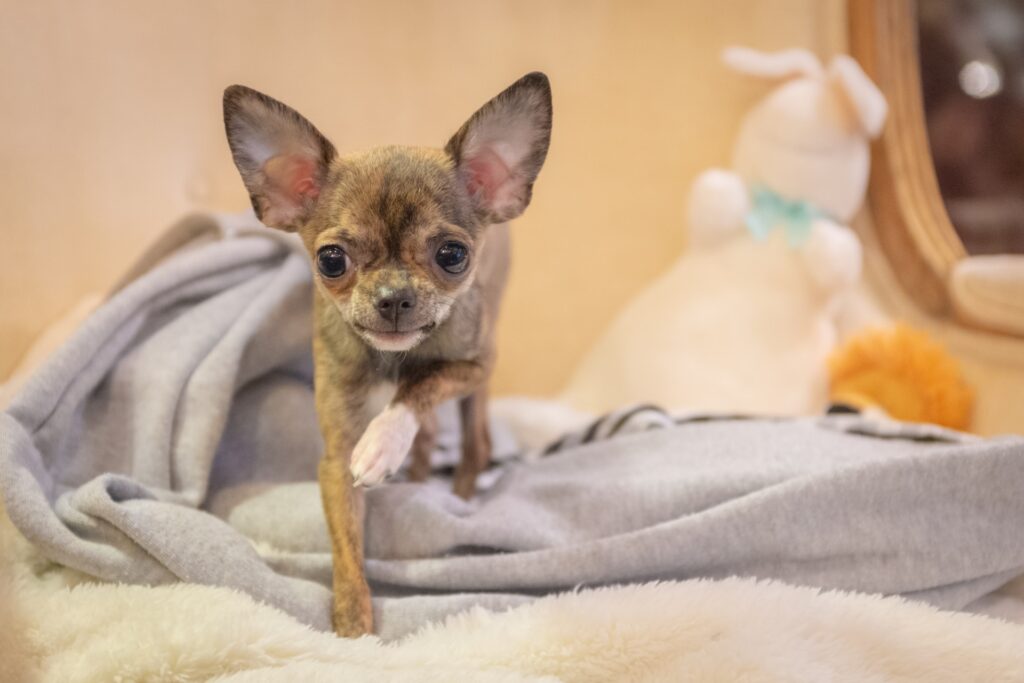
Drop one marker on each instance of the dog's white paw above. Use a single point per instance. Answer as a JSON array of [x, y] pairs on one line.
[[384, 445]]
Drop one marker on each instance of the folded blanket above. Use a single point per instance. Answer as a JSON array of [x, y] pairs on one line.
[[174, 438]]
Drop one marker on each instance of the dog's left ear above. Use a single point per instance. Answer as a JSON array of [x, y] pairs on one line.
[[499, 151], [282, 157]]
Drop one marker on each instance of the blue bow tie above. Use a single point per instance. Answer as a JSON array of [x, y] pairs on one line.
[[771, 210]]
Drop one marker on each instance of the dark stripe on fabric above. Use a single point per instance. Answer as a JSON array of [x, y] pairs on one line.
[[621, 422]]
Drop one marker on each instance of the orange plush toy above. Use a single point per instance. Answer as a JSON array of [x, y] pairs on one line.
[[905, 373]]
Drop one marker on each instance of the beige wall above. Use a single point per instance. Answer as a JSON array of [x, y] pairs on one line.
[[111, 113]]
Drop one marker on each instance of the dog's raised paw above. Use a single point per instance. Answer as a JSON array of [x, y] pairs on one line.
[[384, 445]]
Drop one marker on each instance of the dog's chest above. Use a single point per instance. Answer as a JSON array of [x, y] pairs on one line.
[[378, 398]]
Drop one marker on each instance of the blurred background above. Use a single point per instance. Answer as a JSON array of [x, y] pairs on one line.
[[112, 130], [972, 77]]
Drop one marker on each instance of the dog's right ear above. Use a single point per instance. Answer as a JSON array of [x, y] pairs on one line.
[[282, 157]]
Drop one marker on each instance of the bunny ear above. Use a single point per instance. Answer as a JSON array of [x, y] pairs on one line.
[[865, 99], [784, 64]]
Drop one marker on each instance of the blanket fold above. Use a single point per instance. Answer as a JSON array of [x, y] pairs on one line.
[[174, 438]]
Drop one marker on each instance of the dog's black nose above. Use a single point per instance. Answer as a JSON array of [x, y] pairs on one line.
[[396, 303]]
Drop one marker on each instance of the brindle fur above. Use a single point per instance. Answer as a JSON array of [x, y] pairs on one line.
[[384, 206]]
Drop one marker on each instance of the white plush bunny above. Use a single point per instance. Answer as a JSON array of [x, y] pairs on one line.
[[745, 319]]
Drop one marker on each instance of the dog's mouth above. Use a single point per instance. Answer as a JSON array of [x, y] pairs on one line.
[[394, 340]]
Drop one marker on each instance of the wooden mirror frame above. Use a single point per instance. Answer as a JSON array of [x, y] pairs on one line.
[[913, 227]]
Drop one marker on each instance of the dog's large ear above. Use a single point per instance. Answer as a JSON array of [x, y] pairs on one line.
[[282, 157], [499, 151]]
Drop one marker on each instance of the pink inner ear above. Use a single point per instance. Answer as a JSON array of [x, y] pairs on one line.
[[294, 176], [291, 182], [487, 174]]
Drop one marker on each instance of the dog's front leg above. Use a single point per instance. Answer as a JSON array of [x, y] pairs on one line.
[[341, 422], [352, 611], [387, 440]]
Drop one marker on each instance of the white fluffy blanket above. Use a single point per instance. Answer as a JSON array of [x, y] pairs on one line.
[[734, 630]]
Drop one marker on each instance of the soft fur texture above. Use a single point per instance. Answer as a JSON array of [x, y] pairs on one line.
[[15, 647], [732, 630], [905, 373]]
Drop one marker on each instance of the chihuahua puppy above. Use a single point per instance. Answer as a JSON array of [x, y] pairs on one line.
[[410, 254]]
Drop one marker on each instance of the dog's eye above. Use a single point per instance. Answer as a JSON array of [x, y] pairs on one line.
[[453, 257], [332, 261]]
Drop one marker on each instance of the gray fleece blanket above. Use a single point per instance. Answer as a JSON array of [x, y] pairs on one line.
[[173, 438]]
